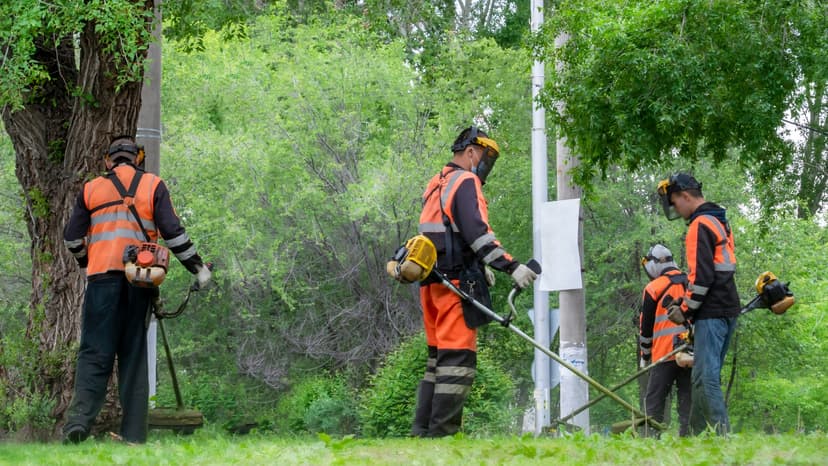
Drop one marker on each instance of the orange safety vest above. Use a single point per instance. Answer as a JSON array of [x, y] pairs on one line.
[[724, 259], [113, 226], [671, 284], [437, 216]]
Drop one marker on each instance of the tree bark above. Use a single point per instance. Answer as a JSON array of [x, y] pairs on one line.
[[59, 138]]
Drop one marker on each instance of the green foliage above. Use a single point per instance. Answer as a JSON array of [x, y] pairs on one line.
[[779, 404], [387, 405], [23, 404], [26, 27], [318, 403], [642, 82], [27, 411]]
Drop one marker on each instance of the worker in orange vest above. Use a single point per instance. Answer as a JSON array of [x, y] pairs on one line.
[[711, 302], [125, 207], [658, 337], [455, 218]]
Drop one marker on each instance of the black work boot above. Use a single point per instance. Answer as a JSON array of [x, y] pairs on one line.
[[422, 413], [74, 435]]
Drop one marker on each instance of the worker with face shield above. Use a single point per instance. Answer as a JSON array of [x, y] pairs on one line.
[[455, 218]]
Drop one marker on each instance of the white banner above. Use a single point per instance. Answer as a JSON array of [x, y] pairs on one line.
[[560, 258]]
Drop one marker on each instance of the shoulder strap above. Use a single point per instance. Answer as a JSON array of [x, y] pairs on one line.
[[675, 279], [128, 196], [446, 220]]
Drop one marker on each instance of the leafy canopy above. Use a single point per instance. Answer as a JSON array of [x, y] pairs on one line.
[[642, 82], [28, 27]]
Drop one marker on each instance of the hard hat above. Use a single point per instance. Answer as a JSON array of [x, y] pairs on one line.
[[673, 184], [657, 260], [124, 147], [491, 150]]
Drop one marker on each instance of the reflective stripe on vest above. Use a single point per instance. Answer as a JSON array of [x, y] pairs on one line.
[[114, 227], [724, 259], [663, 329]]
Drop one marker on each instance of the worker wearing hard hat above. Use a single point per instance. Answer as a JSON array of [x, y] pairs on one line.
[[455, 219], [121, 209], [711, 302], [658, 337]]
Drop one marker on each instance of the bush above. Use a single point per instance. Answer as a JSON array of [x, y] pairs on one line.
[[228, 401], [319, 403], [387, 405], [777, 404]]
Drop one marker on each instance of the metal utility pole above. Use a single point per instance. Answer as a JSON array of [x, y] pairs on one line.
[[574, 390], [540, 195], [149, 134]]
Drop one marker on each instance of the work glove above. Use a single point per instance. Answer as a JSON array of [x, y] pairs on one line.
[[674, 313], [643, 362], [523, 276], [203, 275], [490, 276]]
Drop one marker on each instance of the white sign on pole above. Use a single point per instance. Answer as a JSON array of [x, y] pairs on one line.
[[560, 256]]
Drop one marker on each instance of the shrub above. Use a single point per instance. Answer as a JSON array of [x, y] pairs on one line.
[[319, 403], [228, 400], [779, 404], [387, 405]]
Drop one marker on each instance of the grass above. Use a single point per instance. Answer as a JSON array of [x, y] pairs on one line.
[[207, 447]]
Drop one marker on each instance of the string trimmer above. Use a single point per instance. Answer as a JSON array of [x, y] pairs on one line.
[[415, 261], [179, 419]]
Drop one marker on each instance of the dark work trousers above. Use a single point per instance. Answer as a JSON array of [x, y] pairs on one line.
[[662, 378], [439, 410], [113, 325]]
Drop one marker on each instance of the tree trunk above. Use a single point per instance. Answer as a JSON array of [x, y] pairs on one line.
[[59, 138]]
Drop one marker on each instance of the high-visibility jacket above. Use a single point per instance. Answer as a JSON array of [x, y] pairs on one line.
[[453, 200], [711, 263], [113, 227], [101, 226], [657, 333]]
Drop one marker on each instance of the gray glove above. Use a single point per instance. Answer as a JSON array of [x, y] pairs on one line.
[[523, 276], [674, 313], [490, 276], [203, 276]]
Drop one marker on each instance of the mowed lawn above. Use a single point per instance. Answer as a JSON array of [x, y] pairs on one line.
[[208, 447]]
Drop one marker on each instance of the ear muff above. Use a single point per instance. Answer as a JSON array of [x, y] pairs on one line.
[[139, 157]]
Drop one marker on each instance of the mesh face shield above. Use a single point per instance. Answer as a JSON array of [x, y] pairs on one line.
[[666, 204], [658, 259]]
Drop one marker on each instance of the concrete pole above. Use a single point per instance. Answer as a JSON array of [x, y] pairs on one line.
[[149, 134], [540, 195], [574, 390]]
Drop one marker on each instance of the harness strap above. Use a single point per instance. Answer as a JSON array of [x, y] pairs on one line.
[[127, 197], [675, 279]]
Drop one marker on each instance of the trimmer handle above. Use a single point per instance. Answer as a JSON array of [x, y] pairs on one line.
[[534, 266]]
